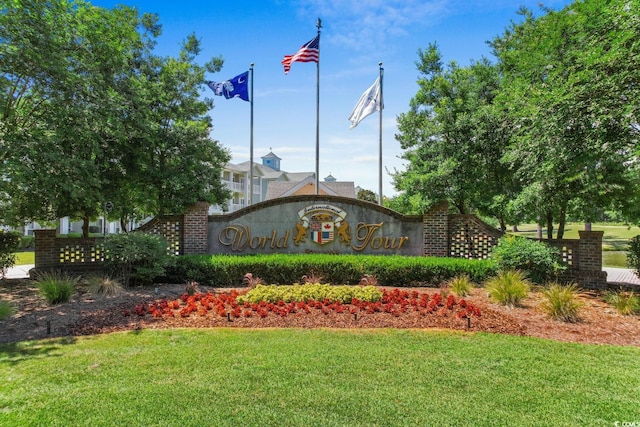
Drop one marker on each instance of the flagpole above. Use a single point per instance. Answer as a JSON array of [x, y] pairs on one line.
[[380, 136], [251, 138], [318, 25]]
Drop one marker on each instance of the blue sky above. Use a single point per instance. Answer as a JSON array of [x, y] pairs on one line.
[[356, 36]]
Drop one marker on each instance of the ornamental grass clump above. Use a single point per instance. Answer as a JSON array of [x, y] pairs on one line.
[[626, 303], [561, 302], [104, 286], [508, 288], [6, 310], [460, 285], [56, 288]]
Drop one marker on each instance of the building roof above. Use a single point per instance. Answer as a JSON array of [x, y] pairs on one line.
[[307, 186]]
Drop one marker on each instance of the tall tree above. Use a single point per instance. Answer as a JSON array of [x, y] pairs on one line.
[[90, 115], [570, 85], [452, 138]]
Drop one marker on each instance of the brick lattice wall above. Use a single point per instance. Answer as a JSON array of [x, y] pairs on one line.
[[470, 237], [444, 235]]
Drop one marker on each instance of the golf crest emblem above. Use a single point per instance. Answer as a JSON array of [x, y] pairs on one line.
[[322, 223]]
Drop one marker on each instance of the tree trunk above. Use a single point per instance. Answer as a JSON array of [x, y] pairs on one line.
[[549, 225], [503, 225], [514, 228], [123, 224], [85, 226], [562, 222]]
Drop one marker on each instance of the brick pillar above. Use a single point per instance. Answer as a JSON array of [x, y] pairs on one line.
[[196, 229], [590, 260], [436, 230], [45, 249]]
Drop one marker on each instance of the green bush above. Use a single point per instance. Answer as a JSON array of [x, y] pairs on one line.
[[6, 310], [626, 303], [310, 292], [560, 302], [27, 242], [56, 288], [136, 257], [633, 254], [229, 270], [509, 287], [9, 244], [538, 260]]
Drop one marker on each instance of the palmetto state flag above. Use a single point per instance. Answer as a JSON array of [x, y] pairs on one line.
[[309, 52], [236, 87], [370, 101]]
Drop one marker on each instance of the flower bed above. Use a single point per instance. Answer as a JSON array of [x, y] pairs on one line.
[[394, 302]]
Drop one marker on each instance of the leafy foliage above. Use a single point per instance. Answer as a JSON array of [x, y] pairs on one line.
[[140, 257], [548, 132], [633, 254], [9, 244], [56, 288], [537, 259], [560, 302], [509, 287], [89, 114]]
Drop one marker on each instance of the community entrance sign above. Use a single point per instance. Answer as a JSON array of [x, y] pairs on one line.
[[305, 224]]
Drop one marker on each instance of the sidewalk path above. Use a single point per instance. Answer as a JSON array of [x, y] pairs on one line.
[[621, 276], [19, 271], [614, 275]]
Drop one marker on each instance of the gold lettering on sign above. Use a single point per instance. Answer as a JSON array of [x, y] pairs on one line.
[[238, 237], [363, 234]]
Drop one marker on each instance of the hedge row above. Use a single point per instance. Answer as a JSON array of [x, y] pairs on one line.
[[284, 269]]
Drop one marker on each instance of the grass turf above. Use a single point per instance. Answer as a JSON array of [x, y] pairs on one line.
[[316, 377]]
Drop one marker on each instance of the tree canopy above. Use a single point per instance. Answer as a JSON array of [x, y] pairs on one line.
[[89, 114], [549, 130]]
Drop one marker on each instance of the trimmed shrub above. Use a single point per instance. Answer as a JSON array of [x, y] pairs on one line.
[[560, 302], [399, 271], [509, 288], [56, 288], [136, 257], [538, 260]]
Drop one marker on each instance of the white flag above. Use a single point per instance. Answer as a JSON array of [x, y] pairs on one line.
[[370, 101]]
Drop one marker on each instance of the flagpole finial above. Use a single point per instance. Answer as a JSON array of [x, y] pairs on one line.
[[251, 64], [319, 24], [380, 64]]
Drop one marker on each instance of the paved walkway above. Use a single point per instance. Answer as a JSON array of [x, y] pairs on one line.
[[614, 275], [623, 276], [19, 271]]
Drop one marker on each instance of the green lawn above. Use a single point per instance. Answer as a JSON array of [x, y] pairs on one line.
[[615, 240], [231, 377], [616, 236], [24, 258]]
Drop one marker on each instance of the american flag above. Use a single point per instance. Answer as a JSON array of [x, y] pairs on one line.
[[309, 52]]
